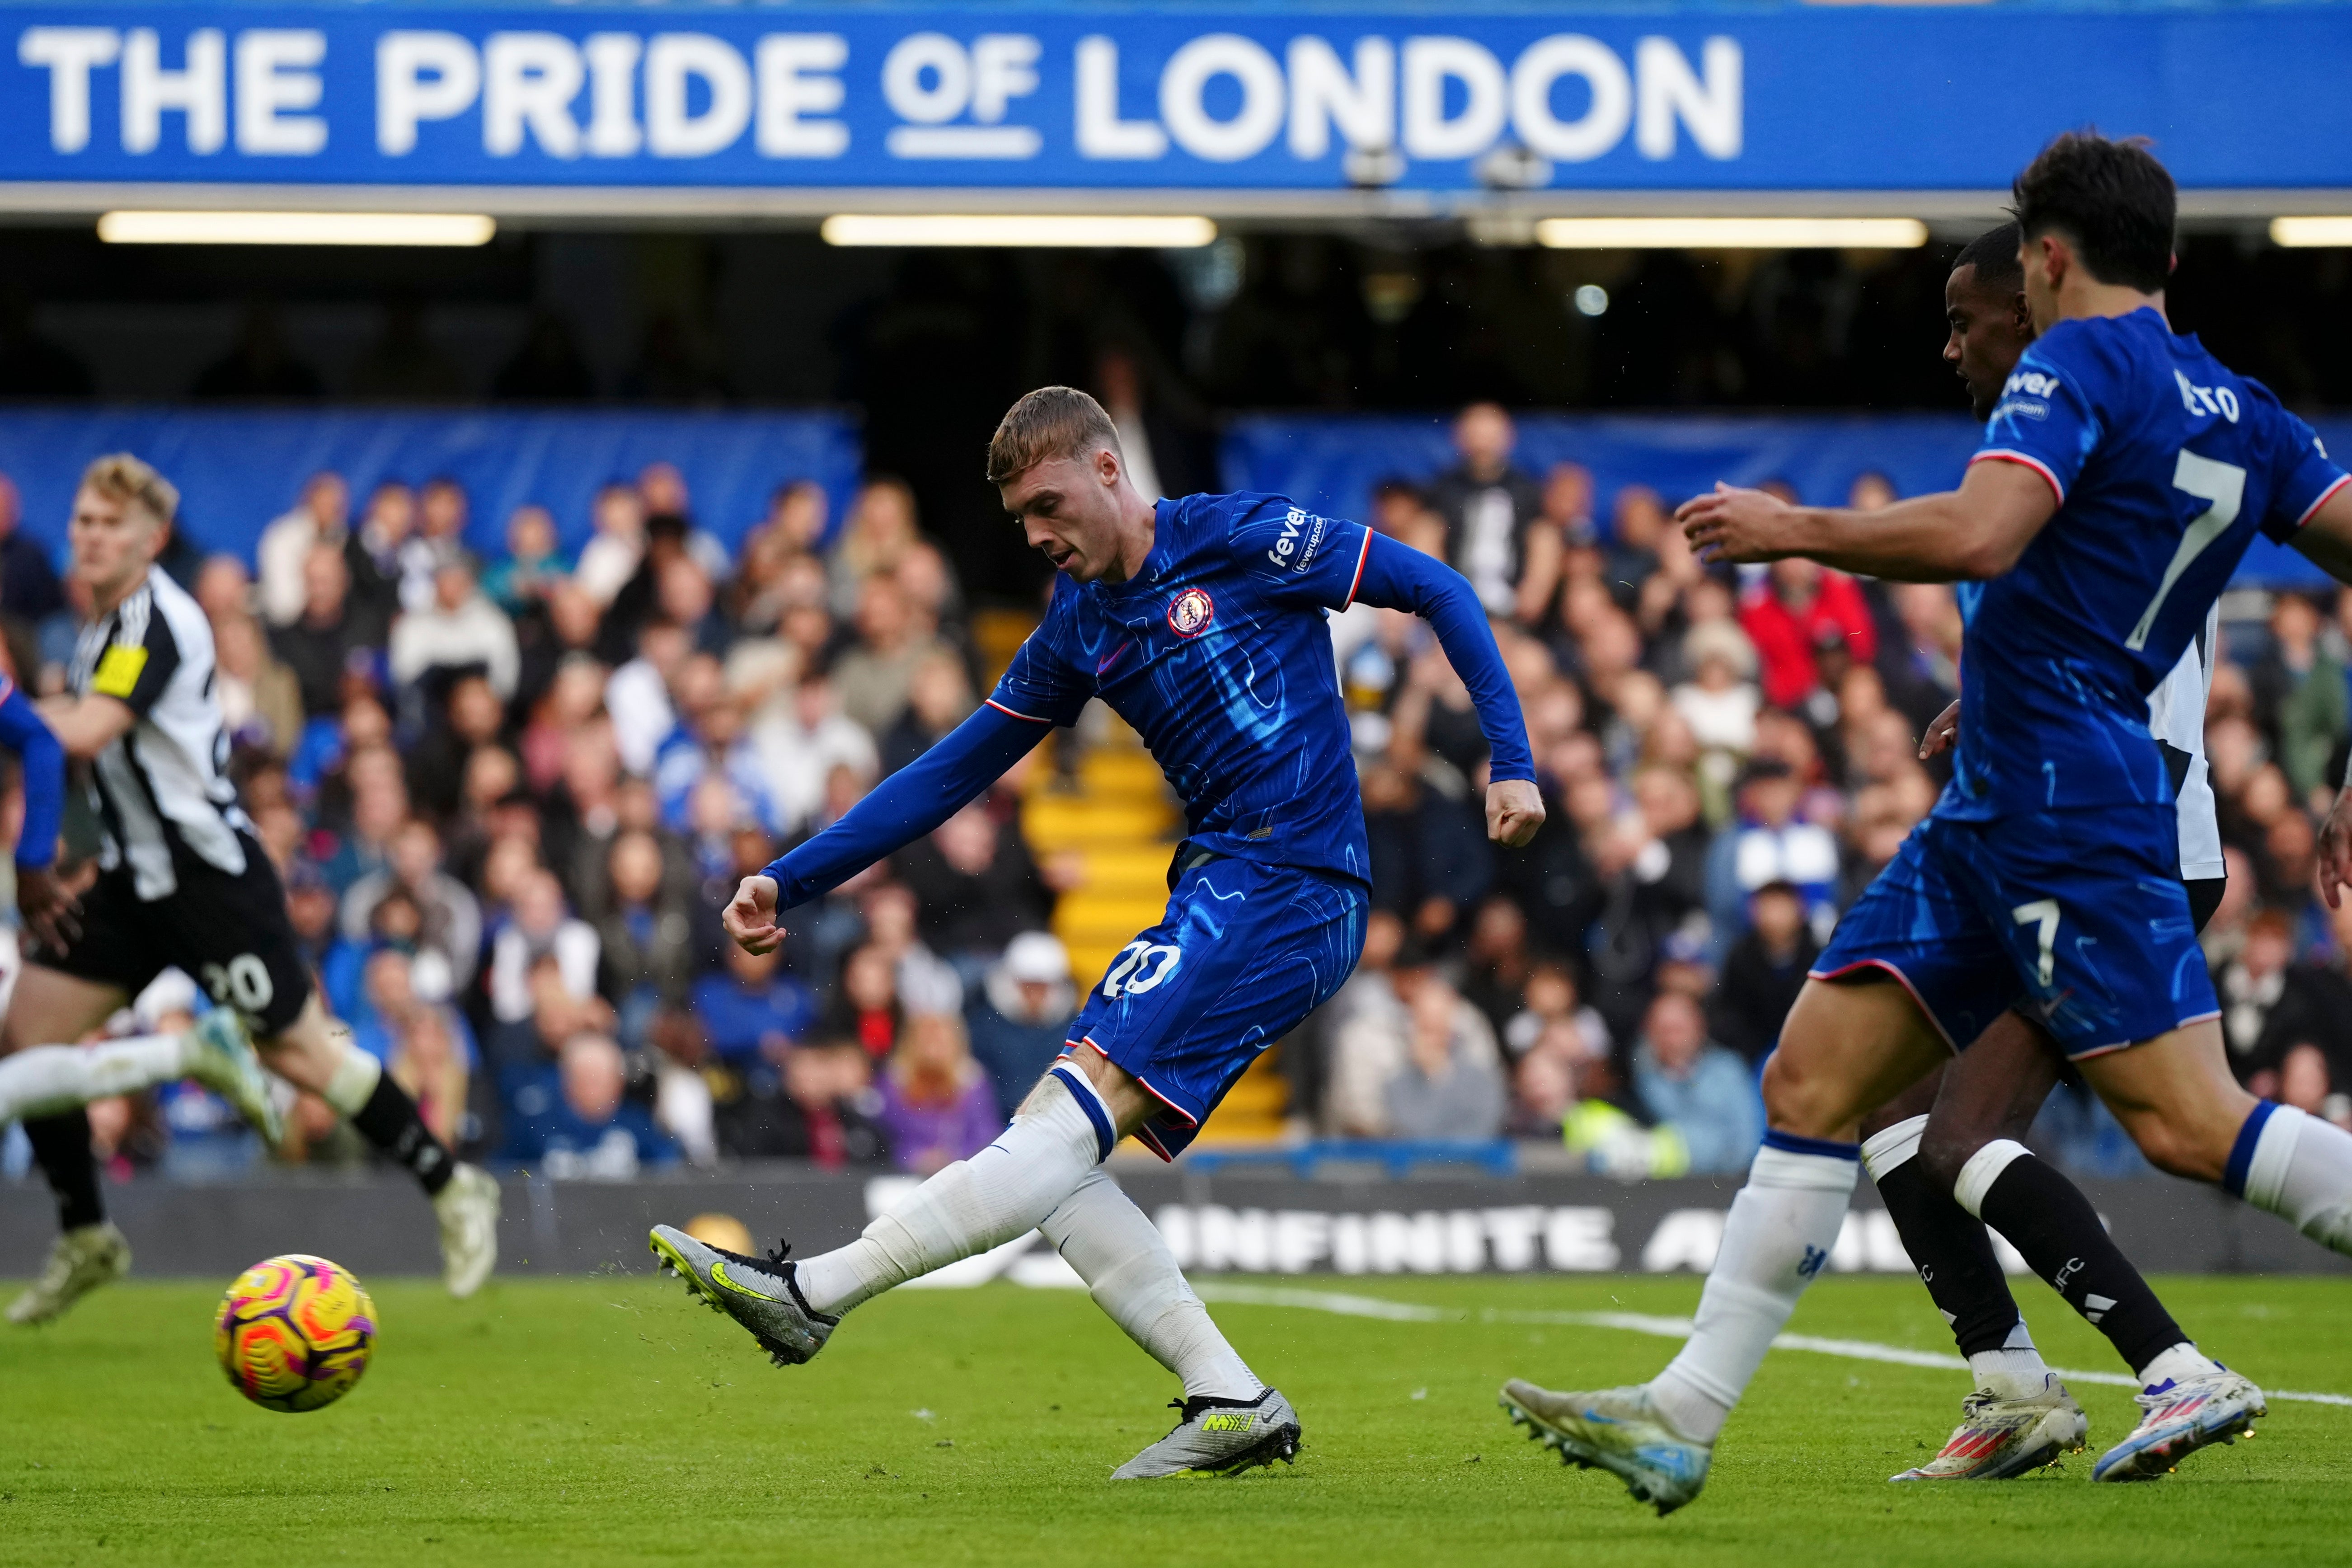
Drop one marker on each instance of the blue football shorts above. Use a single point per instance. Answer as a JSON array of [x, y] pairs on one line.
[[1244, 953], [2077, 918]]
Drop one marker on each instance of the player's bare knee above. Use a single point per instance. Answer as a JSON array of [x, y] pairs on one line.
[[2189, 1152], [1802, 1100]]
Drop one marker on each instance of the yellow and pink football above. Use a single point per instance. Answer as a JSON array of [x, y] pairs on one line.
[[295, 1332]]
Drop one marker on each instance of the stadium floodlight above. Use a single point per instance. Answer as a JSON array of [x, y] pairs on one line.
[[2311, 231], [1102, 231], [199, 227], [1731, 232]]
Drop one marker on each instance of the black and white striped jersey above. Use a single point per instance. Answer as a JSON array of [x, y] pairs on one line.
[[2176, 716], [162, 784]]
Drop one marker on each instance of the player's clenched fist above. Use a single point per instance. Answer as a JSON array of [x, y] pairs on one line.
[[1514, 811], [750, 919]]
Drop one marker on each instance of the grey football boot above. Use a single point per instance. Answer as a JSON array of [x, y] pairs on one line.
[[468, 1210], [1219, 1438], [80, 1262], [763, 1295]]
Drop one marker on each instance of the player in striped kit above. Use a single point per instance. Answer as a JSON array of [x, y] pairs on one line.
[[183, 882]]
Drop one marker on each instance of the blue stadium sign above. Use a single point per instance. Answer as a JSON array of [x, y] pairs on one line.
[[1427, 101]]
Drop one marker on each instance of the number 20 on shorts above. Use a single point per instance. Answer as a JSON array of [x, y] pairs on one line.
[[1140, 966], [242, 983]]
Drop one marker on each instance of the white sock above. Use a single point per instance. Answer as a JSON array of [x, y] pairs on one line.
[[1783, 1225], [2015, 1370], [2300, 1170], [1133, 1278], [45, 1079], [353, 1081], [2182, 1361], [1006, 1190], [1886, 1151], [1975, 1180]]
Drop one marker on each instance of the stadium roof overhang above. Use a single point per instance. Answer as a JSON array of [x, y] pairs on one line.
[[1274, 115]]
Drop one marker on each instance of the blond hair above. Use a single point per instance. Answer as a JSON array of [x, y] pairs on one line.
[[132, 479], [1049, 423]]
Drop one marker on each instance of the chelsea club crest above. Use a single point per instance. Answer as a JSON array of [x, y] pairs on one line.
[[1190, 612]]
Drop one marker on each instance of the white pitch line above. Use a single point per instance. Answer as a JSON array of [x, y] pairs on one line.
[[1345, 1305], [1350, 1305]]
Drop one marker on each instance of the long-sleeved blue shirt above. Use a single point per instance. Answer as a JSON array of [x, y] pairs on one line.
[[1217, 653], [43, 763]]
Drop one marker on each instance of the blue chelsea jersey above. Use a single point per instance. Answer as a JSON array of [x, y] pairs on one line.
[[1218, 654], [2164, 464]]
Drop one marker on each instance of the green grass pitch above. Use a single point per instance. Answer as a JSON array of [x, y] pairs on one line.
[[607, 1421]]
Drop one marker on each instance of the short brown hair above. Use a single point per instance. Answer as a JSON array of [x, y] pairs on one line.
[[1051, 422], [2112, 198], [129, 478]]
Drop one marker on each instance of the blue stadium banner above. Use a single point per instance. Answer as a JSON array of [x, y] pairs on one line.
[[1655, 99], [235, 470]]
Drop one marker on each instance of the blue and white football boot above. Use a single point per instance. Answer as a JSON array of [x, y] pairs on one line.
[[2182, 1416], [1619, 1430]]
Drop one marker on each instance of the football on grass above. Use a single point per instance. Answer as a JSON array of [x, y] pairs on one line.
[[295, 1332]]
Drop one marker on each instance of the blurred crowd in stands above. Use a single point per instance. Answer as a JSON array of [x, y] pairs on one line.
[[509, 798]]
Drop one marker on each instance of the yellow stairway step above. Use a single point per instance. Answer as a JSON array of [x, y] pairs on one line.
[[1254, 1109], [1113, 928], [1136, 871], [998, 634], [1064, 822]]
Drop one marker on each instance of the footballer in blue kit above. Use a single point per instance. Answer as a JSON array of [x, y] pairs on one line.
[[2049, 872], [2122, 473], [1202, 623], [1216, 652]]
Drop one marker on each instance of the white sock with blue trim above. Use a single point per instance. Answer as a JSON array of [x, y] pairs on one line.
[[1005, 1190], [2298, 1168], [1779, 1234], [1134, 1279]]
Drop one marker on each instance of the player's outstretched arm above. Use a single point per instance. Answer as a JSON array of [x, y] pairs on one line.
[[902, 808], [86, 726], [49, 906], [43, 761], [1399, 577], [2326, 536], [1974, 533]]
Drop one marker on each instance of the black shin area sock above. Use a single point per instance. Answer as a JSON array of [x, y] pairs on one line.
[[61, 1149], [1954, 1256], [2047, 1218], [390, 1121]]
